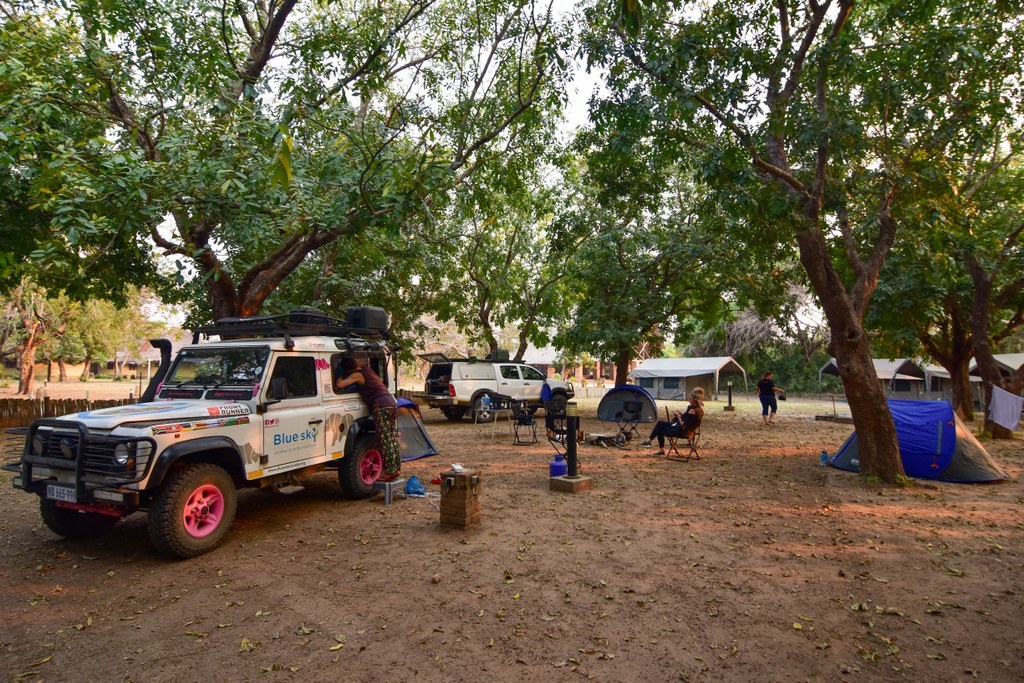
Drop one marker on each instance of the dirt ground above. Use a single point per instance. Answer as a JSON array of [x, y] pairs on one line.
[[751, 564]]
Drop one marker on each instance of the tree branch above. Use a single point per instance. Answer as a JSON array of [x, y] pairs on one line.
[[262, 47]]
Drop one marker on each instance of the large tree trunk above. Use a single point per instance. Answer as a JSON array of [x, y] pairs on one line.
[[27, 370], [876, 434], [622, 361], [62, 368], [952, 349], [983, 352], [87, 368], [997, 431], [960, 381], [27, 354]]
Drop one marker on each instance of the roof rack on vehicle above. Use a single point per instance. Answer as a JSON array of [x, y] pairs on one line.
[[301, 322], [500, 356]]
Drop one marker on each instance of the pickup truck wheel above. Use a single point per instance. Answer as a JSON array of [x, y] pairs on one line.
[[559, 401], [481, 415], [192, 510], [455, 413], [71, 523], [360, 469]]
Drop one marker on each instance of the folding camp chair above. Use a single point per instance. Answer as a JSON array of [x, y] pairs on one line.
[[690, 439], [555, 424], [524, 425], [628, 418]]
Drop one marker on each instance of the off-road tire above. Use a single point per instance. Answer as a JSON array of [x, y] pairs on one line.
[[360, 468], [454, 413], [480, 415], [74, 523], [180, 531]]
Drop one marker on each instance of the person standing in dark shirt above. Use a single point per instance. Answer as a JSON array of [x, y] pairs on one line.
[[356, 371], [766, 391]]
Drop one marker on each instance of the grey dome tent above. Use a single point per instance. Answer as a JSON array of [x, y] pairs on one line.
[[412, 435], [934, 444], [627, 405]]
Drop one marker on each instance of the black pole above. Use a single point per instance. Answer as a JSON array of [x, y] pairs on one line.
[[730, 393], [572, 423]]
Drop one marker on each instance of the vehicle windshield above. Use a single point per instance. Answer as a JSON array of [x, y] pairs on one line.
[[218, 367]]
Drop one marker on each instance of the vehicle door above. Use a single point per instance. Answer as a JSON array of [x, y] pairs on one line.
[[342, 408], [533, 382], [293, 427], [510, 382]]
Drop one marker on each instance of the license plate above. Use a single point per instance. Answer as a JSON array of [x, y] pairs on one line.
[[64, 493]]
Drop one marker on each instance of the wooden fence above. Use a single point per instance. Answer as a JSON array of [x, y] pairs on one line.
[[19, 412]]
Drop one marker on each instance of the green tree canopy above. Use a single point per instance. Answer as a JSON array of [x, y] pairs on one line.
[[836, 108], [267, 131]]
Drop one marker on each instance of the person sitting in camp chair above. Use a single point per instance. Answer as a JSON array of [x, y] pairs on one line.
[[683, 424]]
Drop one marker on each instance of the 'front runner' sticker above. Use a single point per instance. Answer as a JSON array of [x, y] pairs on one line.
[[230, 409]]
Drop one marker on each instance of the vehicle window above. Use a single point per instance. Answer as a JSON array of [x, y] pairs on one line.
[[218, 367], [509, 372], [439, 370], [530, 373], [299, 372], [336, 373], [378, 365]]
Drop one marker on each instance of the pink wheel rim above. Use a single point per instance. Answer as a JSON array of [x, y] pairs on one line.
[[371, 466], [203, 510]]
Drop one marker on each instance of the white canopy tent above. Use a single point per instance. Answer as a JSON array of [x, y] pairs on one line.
[[938, 384], [674, 378], [901, 377], [1008, 363]]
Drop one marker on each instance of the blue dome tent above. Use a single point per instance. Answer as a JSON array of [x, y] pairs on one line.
[[934, 444]]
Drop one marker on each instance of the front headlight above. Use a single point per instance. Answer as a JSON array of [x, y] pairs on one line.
[[38, 445], [121, 454]]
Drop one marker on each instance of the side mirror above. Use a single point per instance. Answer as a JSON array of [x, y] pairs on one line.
[[278, 390]]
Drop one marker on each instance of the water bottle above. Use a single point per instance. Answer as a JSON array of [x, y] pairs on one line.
[[824, 458], [559, 467]]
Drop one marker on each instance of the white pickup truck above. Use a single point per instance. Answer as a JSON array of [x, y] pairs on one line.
[[457, 385]]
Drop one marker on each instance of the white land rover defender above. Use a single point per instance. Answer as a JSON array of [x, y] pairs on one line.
[[257, 408]]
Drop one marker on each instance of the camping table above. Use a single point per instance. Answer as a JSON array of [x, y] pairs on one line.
[[607, 440], [499, 404]]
